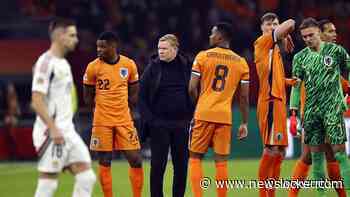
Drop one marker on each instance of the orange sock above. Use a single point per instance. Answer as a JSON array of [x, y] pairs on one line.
[[105, 177], [196, 175], [277, 162], [136, 179], [221, 174], [334, 174], [265, 170], [300, 172], [275, 173]]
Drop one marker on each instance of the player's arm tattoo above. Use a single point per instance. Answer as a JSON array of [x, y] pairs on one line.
[[193, 88], [244, 102], [133, 94], [89, 95]]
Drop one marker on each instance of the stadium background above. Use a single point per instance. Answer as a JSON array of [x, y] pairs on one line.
[[139, 23]]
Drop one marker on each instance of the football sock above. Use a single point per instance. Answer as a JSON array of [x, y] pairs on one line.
[[136, 179], [300, 173], [275, 174], [222, 175], [334, 175], [105, 177], [265, 170], [196, 175], [84, 183], [344, 170], [318, 172]]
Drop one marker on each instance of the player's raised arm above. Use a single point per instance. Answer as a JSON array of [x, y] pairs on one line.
[[284, 29]]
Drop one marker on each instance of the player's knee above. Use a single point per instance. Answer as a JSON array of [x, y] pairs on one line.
[[330, 156], [306, 158], [105, 159], [135, 161], [46, 187], [338, 148], [105, 162], [86, 178]]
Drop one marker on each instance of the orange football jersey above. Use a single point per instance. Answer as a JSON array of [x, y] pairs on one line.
[[221, 71], [111, 84], [270, 68]]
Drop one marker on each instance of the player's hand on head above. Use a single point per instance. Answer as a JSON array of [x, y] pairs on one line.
[[56, 135], [242, 131]]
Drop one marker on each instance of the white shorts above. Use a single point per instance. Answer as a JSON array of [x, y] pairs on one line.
[[53, 158]]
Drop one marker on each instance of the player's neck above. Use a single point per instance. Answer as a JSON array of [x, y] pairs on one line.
[[112, 60], [317, 48], [57, 50], [223, 45]]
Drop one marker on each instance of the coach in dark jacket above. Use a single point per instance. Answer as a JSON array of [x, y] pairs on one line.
[[166, 110]]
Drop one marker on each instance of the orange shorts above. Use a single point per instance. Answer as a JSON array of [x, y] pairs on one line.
[[209, 134], [272, 120], [108, 138]]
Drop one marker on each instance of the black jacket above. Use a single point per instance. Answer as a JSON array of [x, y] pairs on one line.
[[149, 85]]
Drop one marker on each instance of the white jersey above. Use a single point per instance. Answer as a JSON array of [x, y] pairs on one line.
[[52, 76]]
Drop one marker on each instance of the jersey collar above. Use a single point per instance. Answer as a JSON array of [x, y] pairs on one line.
[[321, 48]]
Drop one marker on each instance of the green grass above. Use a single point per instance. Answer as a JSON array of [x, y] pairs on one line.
[[19, 179]]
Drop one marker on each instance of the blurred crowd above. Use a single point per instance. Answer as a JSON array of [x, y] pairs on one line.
[[140, 23]]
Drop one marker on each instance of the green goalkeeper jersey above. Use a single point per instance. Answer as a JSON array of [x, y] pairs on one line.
[[320, 72]]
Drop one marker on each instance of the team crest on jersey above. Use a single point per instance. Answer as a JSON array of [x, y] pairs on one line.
[[124, 72], [95, 142], [328, 60], [279, 136], [55, 163]]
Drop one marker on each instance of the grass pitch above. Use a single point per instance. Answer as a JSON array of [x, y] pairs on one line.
[[19, 179]]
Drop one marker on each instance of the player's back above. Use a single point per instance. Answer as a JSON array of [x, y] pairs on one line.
[[221, 71], [111, 84]]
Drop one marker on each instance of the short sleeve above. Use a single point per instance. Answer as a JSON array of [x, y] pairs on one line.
[[245, 72], [198, 63], [297, 70], [90, 76], [133, 76], [42, 75]]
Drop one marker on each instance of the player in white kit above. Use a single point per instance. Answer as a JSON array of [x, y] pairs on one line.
[[57, 143]]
